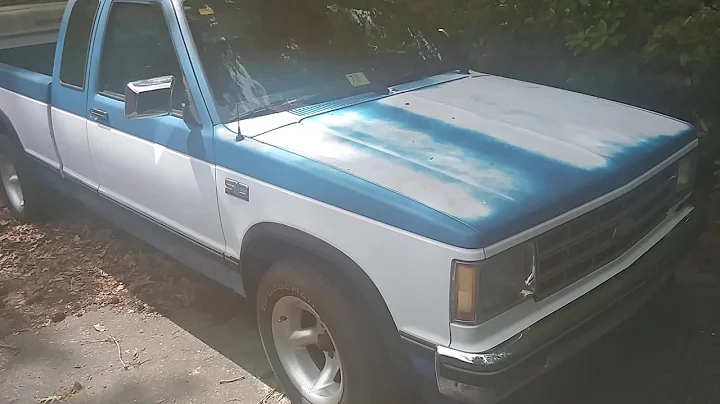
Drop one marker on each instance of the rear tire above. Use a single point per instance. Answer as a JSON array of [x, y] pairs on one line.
[[320, 341], [26, 199]]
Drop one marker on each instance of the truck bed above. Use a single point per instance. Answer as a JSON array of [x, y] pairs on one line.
[[35, 58]]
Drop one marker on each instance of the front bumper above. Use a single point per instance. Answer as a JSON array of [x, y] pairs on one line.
[[489, 376]]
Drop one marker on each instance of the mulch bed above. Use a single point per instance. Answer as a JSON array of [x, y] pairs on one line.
[[78, 263]]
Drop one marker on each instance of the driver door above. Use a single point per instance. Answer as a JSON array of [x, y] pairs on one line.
[[161, 167]]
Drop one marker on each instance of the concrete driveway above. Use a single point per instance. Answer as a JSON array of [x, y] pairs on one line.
[[158, 361]]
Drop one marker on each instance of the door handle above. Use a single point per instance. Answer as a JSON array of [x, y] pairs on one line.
[[98, 115]]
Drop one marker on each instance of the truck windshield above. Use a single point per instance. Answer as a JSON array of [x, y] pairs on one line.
[[265, 55]]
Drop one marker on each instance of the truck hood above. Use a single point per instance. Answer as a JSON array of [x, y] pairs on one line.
[[497, 154]]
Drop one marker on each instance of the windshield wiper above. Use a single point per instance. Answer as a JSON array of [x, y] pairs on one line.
[[380, 88], [290, 102], [269, 108]]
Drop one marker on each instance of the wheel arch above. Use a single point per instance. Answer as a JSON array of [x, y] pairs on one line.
[[268, 242], [265, 242]]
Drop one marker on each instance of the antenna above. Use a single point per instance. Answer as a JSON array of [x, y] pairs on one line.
[[239, 136]]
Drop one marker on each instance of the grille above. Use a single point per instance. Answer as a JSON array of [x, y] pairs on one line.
[[588, 242]]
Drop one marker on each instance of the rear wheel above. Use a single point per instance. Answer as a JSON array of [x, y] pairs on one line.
[[19, 190], [320, 343]]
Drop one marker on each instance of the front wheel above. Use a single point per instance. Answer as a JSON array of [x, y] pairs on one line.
[[318, 339]]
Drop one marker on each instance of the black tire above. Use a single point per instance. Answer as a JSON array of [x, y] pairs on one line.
[[37, 202], [365, 373]]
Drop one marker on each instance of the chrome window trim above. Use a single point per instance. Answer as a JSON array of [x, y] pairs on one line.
[[533, 232]]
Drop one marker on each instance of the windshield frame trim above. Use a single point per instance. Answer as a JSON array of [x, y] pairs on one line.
[[196, 65]]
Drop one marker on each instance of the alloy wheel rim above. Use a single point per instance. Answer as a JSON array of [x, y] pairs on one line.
[[307, 351], [11, 182]]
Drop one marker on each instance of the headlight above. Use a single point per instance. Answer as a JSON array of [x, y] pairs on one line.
[[484, 289], [686, 172]]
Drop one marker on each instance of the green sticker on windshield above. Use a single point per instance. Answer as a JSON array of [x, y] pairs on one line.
[[357, 79]]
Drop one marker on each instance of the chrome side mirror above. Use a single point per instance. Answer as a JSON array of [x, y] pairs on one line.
[[149, 98]]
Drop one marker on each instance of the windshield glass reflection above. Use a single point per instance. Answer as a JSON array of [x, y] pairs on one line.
[[277, 54]]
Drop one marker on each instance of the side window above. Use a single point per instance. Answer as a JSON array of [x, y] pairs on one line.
[[138, 46], [77, 43]]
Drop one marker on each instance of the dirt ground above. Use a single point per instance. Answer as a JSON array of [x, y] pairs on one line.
[[72, 287], [91, 315]]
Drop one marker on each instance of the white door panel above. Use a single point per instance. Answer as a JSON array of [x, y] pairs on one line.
[[172, 188], [72, 143], [30, 119]]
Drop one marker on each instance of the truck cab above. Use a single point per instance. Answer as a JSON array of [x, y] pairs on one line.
[[396, 218]]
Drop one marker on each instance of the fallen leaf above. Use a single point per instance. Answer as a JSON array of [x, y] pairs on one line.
[[99, 327], [233, 380], [10, 347], [49, 399], [66, 392]]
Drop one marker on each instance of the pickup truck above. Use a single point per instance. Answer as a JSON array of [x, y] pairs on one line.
[[399, 221]]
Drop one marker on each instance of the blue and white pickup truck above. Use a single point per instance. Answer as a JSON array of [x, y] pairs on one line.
[[396, 218]]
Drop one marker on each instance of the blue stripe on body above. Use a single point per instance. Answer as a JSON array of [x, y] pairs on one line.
[[24, 82]]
